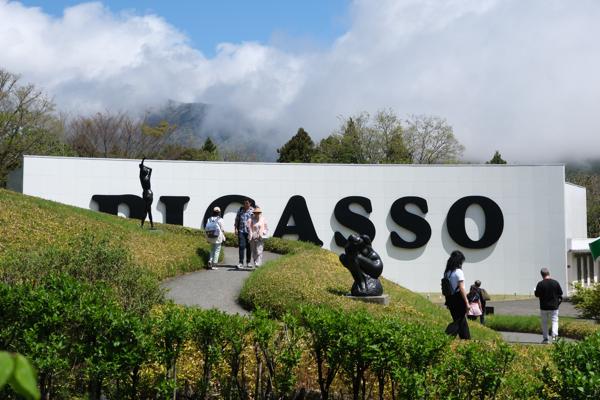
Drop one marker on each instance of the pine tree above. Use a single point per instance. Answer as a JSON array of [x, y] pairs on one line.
[[209, 146], [497, 159], [300, 148]]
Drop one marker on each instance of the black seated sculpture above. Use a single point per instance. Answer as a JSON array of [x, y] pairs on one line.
[[147, 195], [364, 264]]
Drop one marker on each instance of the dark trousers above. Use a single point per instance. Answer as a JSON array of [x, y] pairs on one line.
[[482, 317], [244, 247], [458, 310]]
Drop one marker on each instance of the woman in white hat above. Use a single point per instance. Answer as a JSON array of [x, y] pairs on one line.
[[258, 230], [215, 235]]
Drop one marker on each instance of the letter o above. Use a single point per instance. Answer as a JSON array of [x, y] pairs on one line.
[[494, 222]]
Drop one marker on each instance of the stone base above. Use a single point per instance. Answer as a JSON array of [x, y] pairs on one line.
[[384, 299]]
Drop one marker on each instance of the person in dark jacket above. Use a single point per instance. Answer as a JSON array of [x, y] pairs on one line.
[[550, 294], [484, 297], [457, 304]]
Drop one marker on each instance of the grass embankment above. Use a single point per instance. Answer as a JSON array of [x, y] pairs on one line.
[[310, 275], [29, 224], [568, 326]]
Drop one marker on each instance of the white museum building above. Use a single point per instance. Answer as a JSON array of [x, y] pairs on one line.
[[508, 220]]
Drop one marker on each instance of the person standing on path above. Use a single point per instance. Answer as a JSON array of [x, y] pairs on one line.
[[457, 303], [550, 294], [216, 237], [241, 231], [484, 297], [257, 231]]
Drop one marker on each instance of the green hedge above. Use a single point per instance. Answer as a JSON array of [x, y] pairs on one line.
[[567, 327]]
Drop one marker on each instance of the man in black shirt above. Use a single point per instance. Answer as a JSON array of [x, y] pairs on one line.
[[550, 294]]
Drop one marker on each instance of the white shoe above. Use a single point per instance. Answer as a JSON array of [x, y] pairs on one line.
[[239, 266]]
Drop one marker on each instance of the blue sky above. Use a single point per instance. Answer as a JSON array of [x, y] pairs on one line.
[[306, 23]]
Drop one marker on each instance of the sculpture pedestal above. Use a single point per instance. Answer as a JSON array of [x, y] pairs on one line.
[[384, 299]]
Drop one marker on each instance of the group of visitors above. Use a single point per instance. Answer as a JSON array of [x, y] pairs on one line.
[[463, 305], [251, 230]]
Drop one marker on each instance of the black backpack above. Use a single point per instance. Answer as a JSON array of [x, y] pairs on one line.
[[447, 286]]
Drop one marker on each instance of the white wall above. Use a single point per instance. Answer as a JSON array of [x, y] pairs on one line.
[[532, 199], [575, 211]]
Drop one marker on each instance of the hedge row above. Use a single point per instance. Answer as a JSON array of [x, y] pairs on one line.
[[85, 343]]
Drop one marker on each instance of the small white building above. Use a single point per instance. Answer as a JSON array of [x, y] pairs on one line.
[[508, 220]]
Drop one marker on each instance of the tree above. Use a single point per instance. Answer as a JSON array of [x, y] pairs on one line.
[[117, 135], [209, 146], [362, 140], [430, 140], [25, 121], [497, 159], [300, 148], [180, 152]]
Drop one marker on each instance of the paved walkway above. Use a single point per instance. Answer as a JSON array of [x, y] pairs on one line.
[[218, 288], [529, 307]]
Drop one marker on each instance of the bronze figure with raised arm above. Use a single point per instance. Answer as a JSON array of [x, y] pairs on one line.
[[145, 174]]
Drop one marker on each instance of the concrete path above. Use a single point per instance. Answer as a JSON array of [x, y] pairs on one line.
[[529, 307], [218, 288], [526, 338]]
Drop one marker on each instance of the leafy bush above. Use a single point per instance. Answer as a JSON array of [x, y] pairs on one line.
[[474, 370], [587, 300], [17, 372], [576, 369], [89, 258]]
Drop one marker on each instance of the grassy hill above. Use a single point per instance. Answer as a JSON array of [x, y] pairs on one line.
[[29, 224]]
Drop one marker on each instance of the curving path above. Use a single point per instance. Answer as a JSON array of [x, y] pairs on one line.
[[218, 288]]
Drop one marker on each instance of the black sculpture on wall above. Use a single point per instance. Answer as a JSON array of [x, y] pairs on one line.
[[147, 195], [364, 264]]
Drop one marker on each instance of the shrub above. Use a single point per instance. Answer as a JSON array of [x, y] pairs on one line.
[[277, 347], [577, 366], [89, 258], [207, 335], [474, 370], [587, 300]]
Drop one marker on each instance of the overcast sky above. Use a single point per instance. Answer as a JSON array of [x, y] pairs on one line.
[[519, 76]]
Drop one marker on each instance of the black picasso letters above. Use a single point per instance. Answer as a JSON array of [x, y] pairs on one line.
[[297, 209]]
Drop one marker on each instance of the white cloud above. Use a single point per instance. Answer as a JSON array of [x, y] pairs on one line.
[[516, 76]]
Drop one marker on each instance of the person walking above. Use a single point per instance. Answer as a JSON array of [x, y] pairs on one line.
[[484, 297], [474, 303], [550, 294], [457, 302], [215, 235], [257, 232], [241, 231]]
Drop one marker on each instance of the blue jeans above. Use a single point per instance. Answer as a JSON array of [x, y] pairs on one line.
[[215, 250], [244, 247]]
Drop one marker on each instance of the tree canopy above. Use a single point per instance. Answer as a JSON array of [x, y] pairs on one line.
[[361, 139], [431, 140], [26, 123], [299, 149], [496, 159]]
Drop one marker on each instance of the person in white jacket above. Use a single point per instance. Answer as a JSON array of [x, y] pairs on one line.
[[257, 232], [215, 236]]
